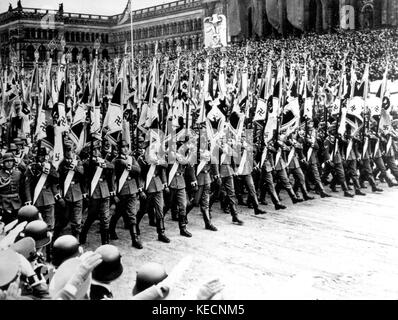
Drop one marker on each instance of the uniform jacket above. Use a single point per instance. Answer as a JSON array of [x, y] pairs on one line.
[[206, 176], [78, 186], [185, 173], [49, 190], [11, 186], [329, 149], [158, 180], [132, 183], [105, 184]]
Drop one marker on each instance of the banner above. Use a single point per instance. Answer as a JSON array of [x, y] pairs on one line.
[[272, 7], [295, 13], [215, 31]]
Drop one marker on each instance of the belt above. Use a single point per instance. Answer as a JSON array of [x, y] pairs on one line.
[[13, 195], [178, 174], [72, 183], [129, 178], [101, 179], [205, 171]]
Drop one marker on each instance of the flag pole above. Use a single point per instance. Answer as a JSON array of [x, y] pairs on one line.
[[132, 36]]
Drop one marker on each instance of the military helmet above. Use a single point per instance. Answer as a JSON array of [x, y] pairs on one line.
[[64, 248], [111, 266], [8, 157], [28, 213], [38, 230], [148, 275]]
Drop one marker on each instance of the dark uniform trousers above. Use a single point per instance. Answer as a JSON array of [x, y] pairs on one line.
[[335, 166], [73, 197], [128, 206], [100, 201], [248, 180], [351, 164], [71, 213], [230, 198]]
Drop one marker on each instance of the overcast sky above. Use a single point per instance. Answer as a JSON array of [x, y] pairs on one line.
[[105, 7]]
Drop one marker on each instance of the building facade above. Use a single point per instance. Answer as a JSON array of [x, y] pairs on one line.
[[180, 23]]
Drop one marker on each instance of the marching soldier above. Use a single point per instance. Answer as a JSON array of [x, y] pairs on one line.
[[378, 156], [247, 178], [280, 171], [351, 162], [98, 172], [154, 190], [72, 184], [295, 151], [312, 141], [178, 196], [127, 171], [226, 174], [267, 180], [42, 186], [202, 185], [11, 186], [390, 149], [334, 163], [365, 168]]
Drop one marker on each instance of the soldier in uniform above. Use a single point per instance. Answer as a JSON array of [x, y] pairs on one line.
[[178, 196], [71, 166], [100, 193], [226, 174], [11, 186], [365, 168], [280, 171], [267, 181], [352, 157], [334, 163], [389, 155], [36, 172], [296, 149], [202, 185], [247, 178], [127, 194], [378, 156], [312, 140], [154, 190], [19, 154]]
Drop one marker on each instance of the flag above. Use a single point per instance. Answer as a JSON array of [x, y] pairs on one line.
[[77, 132], [112, 125], [295, 13], [126, 13], [272, 7], [234, 19]]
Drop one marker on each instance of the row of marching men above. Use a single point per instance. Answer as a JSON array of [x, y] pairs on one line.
[[102, 177]]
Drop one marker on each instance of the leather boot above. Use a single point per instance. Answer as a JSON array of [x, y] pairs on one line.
[[83, 236], [241, 202], [174, 216], [236, 220], [323, 194], [135, 238], [257, 210], [293, 196], [104, 236], [357, 187], [362, 184], [278, 205], [189, 208], [207, 220], [263, 201], [358, 192], [372, 182], [333, 187], [389, 181], [182, 223], [346, 192], [161, 231], [306, 195]]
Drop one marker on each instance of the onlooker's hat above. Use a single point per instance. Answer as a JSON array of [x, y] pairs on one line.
[[148, 275], [38, 230], [111, 266], [9, 267], [64, 248]]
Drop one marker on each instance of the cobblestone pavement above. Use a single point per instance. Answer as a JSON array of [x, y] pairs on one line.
[[336, 248]]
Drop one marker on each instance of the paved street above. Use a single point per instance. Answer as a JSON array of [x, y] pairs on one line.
[[335, 248]]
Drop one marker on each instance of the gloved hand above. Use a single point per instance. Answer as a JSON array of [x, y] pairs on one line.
[[142, 195], [89, 260], [195, 186]]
